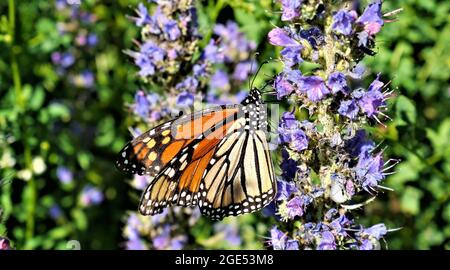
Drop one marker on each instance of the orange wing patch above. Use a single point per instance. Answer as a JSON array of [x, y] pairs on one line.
[[196, 127]]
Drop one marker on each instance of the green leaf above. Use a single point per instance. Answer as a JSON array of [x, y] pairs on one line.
[[37, 98], [80, 219], [440, 138], [405, 111], [410, 200], [58, 110]]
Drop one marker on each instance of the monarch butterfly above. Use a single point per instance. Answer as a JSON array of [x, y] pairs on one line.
[[217, 159]]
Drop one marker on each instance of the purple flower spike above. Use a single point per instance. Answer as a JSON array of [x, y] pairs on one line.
[[343, 22], [372, 18], [279, 37], [314, 87]]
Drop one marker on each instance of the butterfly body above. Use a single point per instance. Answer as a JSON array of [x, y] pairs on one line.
[[217, 159]]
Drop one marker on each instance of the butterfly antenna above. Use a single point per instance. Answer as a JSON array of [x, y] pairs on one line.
[[256, 74], [251, 69]]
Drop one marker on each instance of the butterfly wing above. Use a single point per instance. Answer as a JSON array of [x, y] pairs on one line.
[[210, 158], [176, 153], [151, 152], [240, 179]]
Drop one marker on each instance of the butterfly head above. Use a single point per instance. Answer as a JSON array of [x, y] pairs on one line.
[[254, 97]]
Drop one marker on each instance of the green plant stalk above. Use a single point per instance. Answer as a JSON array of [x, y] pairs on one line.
[[20, 103], [14, 66]]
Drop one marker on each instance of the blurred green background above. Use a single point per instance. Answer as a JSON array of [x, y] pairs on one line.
[[76, 120]]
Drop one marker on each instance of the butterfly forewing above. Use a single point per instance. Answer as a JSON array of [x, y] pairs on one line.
[[217, 158]]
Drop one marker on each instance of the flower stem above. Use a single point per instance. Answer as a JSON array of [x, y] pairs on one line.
[[14, 66]]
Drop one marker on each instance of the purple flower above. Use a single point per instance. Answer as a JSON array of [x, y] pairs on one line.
[[292, 55], [291, 9], [282, 86], [288, 166], [366, 244], [91, 196], [233, 44], [164, 240], [242, 71], [144, 17], [338, 83], [369, 170], [348, 108], [212, 54], [135, 244], [295, 207], [200, 70], [359, 144], [148, 58], [64, 175], [185, 99], [230, 232], [350, 188], [86, 79], [285, 190], [327, 241], [377, 231], [372, 18], [339, 224], [314, 87], [141, 104], [171, 30], [279, 37], [280, 241], [4, 244], [189, 84], [343, 20], [65, 60], [289, 132], [314, 36], [55, 211], [372, 99], [220, 80], [299, 140], [288, 123], [92, 39]]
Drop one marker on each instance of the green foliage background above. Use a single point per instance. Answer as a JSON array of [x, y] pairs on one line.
[[42, 116]]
